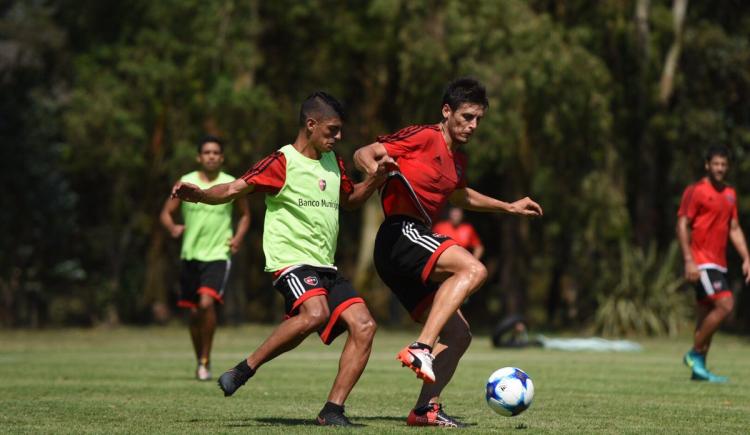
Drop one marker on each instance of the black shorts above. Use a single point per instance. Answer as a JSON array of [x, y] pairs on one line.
[[406, 251], [711, 286], [202, 277], [299, 283]]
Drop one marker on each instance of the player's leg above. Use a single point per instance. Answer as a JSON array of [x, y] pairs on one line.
[[307, 311], [207, 328], [455, 338], [361, 328], [189, 299], [714, 315], [715, 303], [313, 314], [461, 275]]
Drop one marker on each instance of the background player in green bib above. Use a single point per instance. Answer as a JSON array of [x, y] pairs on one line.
[[304, 184], [207, 246]]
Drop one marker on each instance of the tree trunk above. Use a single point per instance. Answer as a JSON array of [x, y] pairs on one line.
[[666, 86]]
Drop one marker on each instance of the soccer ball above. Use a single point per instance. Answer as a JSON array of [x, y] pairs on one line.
[[509, 391]]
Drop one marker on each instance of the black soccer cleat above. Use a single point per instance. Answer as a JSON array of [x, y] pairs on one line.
[[333, 418], [231, 381]]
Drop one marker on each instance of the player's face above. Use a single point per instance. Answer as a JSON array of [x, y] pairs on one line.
[[456, 215], [325, 133], [462, 122], [717, 168], [211, 157]]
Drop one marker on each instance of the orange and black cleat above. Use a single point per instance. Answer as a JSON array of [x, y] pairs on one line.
[[431, 415], [419, 360]]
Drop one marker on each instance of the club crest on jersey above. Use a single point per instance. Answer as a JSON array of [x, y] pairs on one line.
[[730, 198], [311, 280], [322, 184]]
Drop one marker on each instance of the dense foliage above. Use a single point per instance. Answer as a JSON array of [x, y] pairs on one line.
[[102, 103]]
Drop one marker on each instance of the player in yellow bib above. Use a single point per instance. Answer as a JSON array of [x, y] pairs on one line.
[[305, 183], [207, 246]]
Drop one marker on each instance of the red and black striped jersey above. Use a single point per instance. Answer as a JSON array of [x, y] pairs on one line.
[[426, 162], [710, 212]]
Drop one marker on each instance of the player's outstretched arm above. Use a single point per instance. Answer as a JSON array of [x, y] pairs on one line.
[[373, 160], [738, 240], [470, 199], [683, 235], [218, 194]]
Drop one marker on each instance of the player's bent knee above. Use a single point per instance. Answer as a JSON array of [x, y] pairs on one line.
[[725, 304], [477, 274], [365, 329], [314, 319]]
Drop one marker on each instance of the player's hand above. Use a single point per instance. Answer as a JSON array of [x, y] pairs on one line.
[[187, 192], [746, 270], [177, 231], [692, 273], [382, 166], [234, 244], [525, 207]]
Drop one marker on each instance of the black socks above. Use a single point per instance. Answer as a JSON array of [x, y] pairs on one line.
[[246, 370], [418, 345], [332, 407]]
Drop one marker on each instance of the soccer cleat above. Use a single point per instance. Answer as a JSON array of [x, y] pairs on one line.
[[203, 373], [333, 418], [697, 363], [709, 377], [431, 415], [231, 381], [419, 360]]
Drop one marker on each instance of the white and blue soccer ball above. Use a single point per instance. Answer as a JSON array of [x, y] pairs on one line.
[[509, 391]]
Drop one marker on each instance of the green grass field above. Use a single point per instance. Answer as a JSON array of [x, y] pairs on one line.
[[133, 380]]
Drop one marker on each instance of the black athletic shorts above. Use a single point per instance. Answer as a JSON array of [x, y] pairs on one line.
[[406, 251], [202, 277], [299, 283], [711, 286]]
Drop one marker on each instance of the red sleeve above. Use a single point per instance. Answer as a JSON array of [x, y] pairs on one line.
[[735, 215], [268, 175], [346, 183], [407, 139], [461, 161], [688, 205]]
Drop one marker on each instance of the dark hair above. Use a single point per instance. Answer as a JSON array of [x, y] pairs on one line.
[[465, 90], [320, 105], [717, 150], [208, 138]]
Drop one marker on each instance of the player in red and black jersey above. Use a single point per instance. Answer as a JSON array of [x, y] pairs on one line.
[[707, 216], [429, 273]]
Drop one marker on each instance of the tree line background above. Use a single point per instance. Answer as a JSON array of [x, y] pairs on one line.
[[599, 110]]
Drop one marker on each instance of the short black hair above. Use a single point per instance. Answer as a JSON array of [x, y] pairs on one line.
[[717, 150], [207, 139], [320, 105], [465, 90]]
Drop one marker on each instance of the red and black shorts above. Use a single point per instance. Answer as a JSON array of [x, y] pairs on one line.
[[299, 283], [202, 277], [711, 286], [406, 251]]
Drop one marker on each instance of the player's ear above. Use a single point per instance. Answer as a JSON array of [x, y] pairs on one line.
[[707, 165], [310, 124], [198, 158], [446, 111]]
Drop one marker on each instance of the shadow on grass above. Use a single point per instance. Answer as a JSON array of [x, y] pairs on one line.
[[284, 421]]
